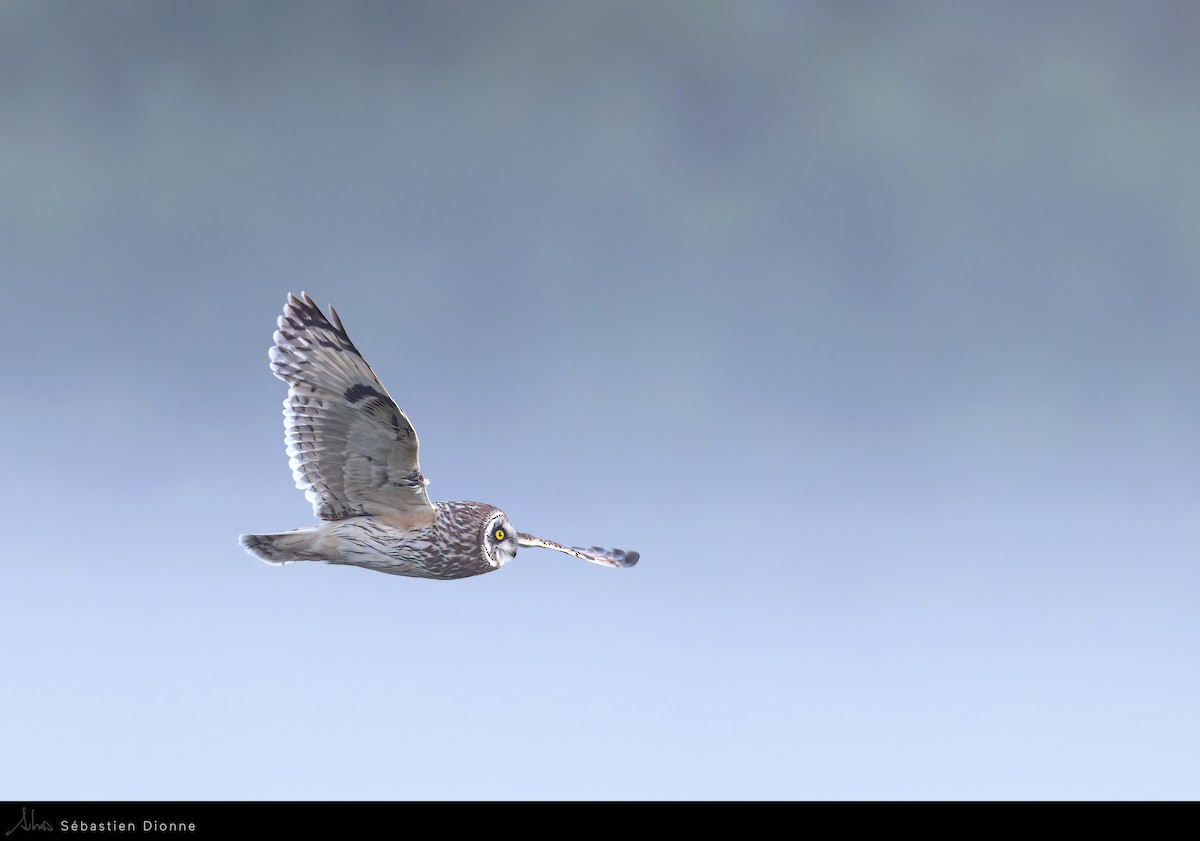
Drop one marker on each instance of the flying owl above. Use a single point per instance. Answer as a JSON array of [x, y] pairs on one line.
[[354, 454]]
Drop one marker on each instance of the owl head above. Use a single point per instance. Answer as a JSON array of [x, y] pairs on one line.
[[499, 540]]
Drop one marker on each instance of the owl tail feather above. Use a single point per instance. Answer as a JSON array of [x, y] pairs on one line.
[[282, 548]]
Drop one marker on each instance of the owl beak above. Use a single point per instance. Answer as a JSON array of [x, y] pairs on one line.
[[597, 555]]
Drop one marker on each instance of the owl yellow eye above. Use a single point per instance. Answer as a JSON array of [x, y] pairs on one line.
[[499, 533]]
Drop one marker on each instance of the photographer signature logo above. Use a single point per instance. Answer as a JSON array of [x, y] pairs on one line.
[[29, 823]]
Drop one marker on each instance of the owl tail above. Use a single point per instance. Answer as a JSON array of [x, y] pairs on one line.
[[283, 548]]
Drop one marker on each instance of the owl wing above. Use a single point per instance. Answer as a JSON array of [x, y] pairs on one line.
[[351, 448], [595, 554]]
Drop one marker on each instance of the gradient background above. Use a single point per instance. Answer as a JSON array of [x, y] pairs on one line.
[[872, 325]]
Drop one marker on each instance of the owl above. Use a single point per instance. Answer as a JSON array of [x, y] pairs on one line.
[[354, 454]]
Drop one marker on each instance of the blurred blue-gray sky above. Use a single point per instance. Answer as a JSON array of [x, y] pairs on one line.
[[872, 325]]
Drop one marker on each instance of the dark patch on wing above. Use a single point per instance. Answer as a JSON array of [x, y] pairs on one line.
[[385, 410], [360, 391], [379, 406]]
